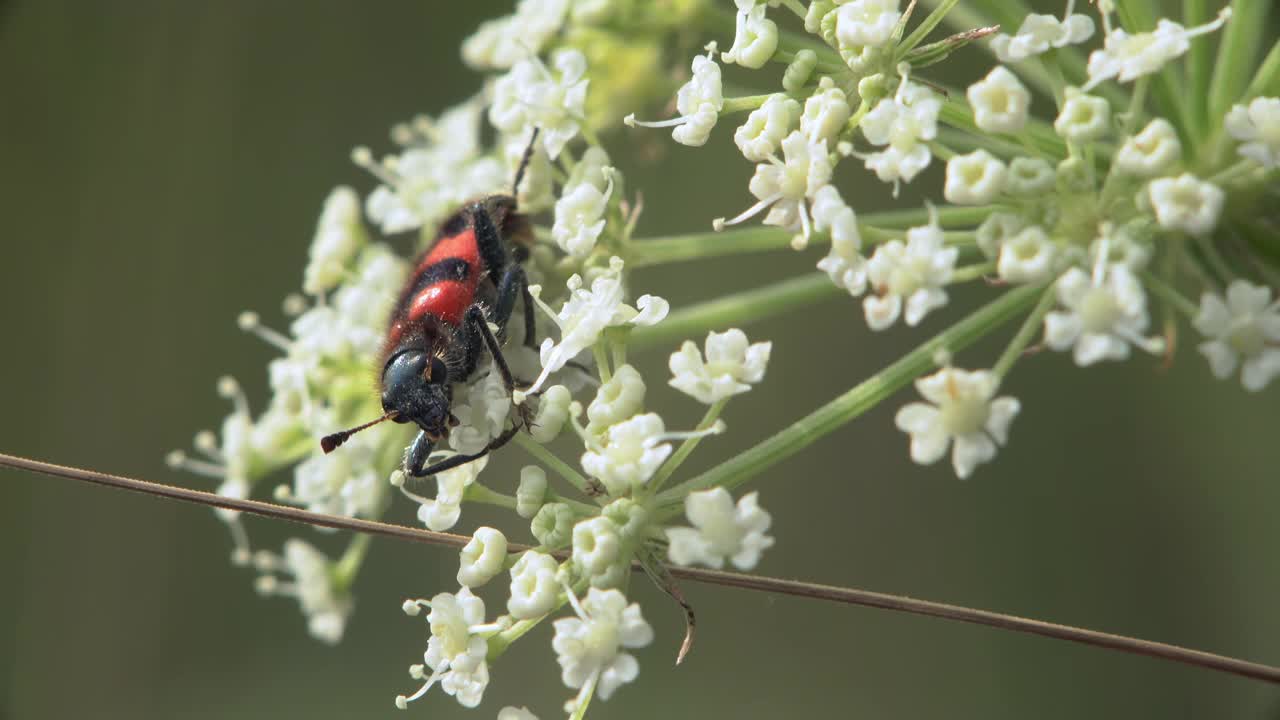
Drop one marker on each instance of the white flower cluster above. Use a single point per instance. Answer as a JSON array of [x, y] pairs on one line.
[[1100, 209], [1081, 207]]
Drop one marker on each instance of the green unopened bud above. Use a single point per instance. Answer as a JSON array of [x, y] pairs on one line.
[[1029, 176], [799, 71], [553, 524], [1074, 176], [826, 22], [532, 491], [629, 515], [874, 88]]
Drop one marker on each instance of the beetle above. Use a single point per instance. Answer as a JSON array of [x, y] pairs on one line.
[[470, 276]]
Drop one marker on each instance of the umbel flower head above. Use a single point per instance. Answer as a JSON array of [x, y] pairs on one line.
[[1084, 200]]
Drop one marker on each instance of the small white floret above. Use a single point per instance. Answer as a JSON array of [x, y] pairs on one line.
[[482, 558], [721, 531], [1083, 118], [908, 278], [1243, 330], [963, 415], [1152, 152], [974, 179], [755, 39], [731, 366], [589, 647], [1257, 128], [1186, 203], [1000, 102], [761, 135]]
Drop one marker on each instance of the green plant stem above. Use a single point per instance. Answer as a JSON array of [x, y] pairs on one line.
[[1236, 49], [859, 399], [1266, 82], [1023, 338], [601, 355], [552, 461], [957, 113], [763, 238], [738, 309], [925, 27], [1170, 295], [682, 453], [348, 566], [743, 104], [972, 272], [698, 246], [1199, 63], [851, 596], [586, 694], [488, 496]]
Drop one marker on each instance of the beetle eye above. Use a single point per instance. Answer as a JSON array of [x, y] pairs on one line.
[[437, 372]]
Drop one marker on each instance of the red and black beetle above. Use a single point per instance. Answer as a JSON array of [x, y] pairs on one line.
[[469, 277]]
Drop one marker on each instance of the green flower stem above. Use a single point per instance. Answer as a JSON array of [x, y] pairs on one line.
[[875, 235], [973, 272], [696, 246], [1136, 104], [487, 496], [548, 458], [1199, 64], [707, 245], [588, 692], [617, 351], [744, 103], [957, 113], [795, 7], [861, 398], [1230, 174], [941, 149], [1266, 82], [673, 463], [348, 566], [1170, 295], [601, 355], [1216, 261], [1028, 330], [1236, 51], [738, 309], [925, 27], [481, 494]]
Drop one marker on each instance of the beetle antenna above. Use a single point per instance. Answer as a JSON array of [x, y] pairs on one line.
[[524, 162], [329, 442]]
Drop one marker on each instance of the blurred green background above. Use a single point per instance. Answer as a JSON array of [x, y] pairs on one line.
[[161, 168]]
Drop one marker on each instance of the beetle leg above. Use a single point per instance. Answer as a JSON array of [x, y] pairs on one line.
[[416, 456], [452, 462]]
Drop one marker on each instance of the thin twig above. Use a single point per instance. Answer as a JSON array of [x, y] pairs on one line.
[[866, 598]]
